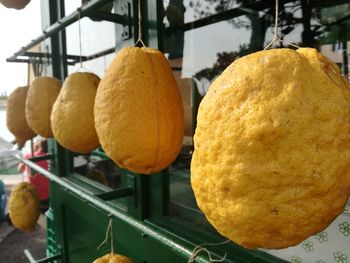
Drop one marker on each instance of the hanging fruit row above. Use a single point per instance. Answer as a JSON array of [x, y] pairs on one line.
[[271, 145], [135, 112]]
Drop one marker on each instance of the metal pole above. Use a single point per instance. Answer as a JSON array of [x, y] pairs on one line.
[[136, 224], [61, 24]]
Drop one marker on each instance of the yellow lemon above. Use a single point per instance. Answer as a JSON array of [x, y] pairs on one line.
[[16, 117], [72, 117], [42, 94], [139, 112], [24, 206], [272, 148], [113, 258]]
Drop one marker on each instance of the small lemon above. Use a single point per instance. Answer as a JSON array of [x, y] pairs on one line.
[[42, 94], [113, 258], [72, 117], [24, 206], [16, 116]]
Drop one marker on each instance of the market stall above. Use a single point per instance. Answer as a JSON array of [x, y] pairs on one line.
[[152, 215]]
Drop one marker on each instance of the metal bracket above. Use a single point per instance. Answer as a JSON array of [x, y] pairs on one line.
[[124, 9], [122, 192], [115, 18], [50, 259]]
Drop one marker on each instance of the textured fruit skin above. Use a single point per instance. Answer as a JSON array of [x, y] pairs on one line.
[[16, 4], [42, 94], [16, 117], [24, 206], [139, 112], [72, 117], [272, 148], [113, 258]]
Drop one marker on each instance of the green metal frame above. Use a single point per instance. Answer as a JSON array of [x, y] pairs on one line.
[[85, 217]]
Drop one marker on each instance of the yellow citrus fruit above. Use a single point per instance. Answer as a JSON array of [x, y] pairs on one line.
[[272, 148], [113, 258], [24, 206], [139, 112], [72, 117], [42, 94], [16, 117]]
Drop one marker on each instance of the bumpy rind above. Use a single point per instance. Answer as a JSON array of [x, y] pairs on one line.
[[139, 111], [24, 206], [272, 148], [42, 94], [16, 117], [113, 258], [72, 117]]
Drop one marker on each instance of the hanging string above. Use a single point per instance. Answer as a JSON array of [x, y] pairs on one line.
[[198, 249], [139, 40], [46, 51], [289, 44], [104, 64], [276, 36], [37, 65], [109, 234], [80, 49]]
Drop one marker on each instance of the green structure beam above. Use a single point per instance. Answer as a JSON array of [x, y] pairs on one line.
[[62, 23]]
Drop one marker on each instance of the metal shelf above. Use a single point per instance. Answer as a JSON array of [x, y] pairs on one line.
[[88, 9]]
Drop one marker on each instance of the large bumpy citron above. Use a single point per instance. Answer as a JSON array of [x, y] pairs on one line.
[[24, 206], [16, 117], [72, 117], [271, 164], [42, 94], [139, 112], [113, 258]]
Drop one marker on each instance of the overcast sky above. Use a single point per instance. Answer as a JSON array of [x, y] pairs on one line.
[[17, 28]]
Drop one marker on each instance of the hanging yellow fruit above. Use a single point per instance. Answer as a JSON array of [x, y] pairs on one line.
[[272, 148], [72, 117], [24, 206], [16, 4], [139, 112], [42, 94], [113, 258], [16, 117]]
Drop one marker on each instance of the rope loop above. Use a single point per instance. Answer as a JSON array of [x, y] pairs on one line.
[[198, 249], [276, 36], [139, 41], [109, 234]]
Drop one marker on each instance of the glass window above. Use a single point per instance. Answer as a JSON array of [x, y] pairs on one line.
[[94, 36]]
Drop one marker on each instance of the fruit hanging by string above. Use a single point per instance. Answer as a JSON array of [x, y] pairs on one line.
[[72, 117], [139, 112], [42, 94], [24, 206], [113, 258], [16, 118], [272, 148]]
